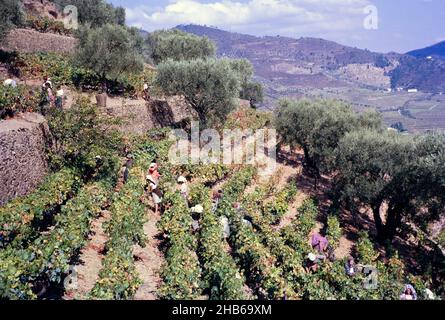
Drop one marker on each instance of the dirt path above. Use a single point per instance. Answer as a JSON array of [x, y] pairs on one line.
[[149, 260], [90, 260]]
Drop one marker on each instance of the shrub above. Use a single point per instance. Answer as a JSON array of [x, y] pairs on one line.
[[334, 231], [110, 51], [178, 45], [209, 86], [11, 15], [18, 99]]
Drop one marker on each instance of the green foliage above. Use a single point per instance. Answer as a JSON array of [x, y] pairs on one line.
[[181, 271], [96, 13], [118, 279], [251, 91], [19, 217], [18, 99], [31, 65], [247, 118], [209, 86], [365, 249], [318, 126], [11, 15], [82, 138], [64, 71], [334, 231], [111, 51], [45, 24], [178, 45], [205, 173], [279, 206], [403, 171], [48, 258], [220, 271]]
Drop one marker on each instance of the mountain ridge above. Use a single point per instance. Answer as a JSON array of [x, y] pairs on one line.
[[436, 50], [288, 63]]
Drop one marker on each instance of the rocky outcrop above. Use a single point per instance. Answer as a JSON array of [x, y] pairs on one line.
[[30, 41], [139, 116], [22, 155], [41, 8]]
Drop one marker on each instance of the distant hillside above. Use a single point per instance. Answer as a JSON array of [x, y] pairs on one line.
[[294, 62], [437, 50], [286, 66], [427, 75]]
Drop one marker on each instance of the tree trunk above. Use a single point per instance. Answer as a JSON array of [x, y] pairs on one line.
[[393, 222], [386, 232], [375, 206]]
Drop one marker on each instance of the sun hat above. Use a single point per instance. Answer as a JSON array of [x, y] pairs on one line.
[[312, 257], [198, 209], [182, 179]]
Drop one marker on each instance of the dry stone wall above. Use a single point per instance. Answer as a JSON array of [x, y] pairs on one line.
[[30, 41], [22, 155]]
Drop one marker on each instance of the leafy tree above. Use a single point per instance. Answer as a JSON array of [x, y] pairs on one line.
[[294, 123], [243, 69], [252, 91], [110, 51], [178, 45], [405, 172], [11, 15], [82, 138], [210, 86], [96, 13], [318, 126]]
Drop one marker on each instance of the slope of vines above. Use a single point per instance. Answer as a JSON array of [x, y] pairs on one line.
[[222, 278], [19, 217], [47, 259]]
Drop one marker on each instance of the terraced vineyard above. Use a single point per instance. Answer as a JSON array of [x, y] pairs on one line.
[[263, 258]]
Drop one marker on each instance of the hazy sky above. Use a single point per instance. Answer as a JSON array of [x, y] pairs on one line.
[[403, 25]]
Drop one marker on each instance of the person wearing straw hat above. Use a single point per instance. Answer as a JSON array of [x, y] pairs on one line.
[[183, 187], [152, 182], [196, 211], [313, 262]]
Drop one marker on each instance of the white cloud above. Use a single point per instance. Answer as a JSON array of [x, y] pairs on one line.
[[284, 17]]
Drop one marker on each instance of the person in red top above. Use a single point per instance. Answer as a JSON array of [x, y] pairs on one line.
[[154, 170]]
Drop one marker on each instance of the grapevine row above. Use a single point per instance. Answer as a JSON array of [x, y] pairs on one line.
[[18, 217], [181, 272], [221, 276], [47, 258], [118, 278]]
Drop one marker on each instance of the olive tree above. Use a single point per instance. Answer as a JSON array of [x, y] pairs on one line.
[[210, 86], [178, 45], [250, 90], [111, 51], [406, 173], [318, 126], [96, 13]]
